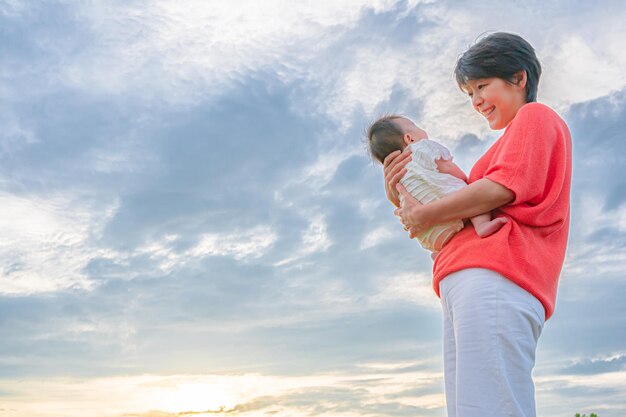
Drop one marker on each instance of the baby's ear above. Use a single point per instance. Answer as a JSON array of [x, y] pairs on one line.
[[408, 139]]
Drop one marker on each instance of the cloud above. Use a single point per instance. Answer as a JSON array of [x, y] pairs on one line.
[[46, 242], [238, 245], [597, 365], [601, 393], [166, 255], [375, 237], [168, 54], [597, 218], [185, 394], [314, 239], [186, 52], [598, 146], [406, 288]]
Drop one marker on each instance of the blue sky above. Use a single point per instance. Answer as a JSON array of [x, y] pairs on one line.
[[190, 223]]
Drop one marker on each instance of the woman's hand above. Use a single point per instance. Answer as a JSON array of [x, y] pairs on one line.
[[411, 214], [394, 165]]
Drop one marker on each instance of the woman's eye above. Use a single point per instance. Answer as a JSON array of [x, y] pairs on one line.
[[480, 86]]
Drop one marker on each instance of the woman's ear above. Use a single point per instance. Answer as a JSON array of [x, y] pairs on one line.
[[521, 78]]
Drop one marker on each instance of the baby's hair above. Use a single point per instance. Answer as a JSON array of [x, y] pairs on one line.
[[385, 136]]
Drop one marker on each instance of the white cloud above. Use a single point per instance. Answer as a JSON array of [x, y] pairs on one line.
[[44, 242], [181, 53], [421, 67], [580, 68], [580, 63], [588, 259], [123, 155], [174, 54], [411, 288], [368, 206], [388, 366], [608, 392], [178, 54], [320, 172], [252, 243], [241, 245], [314, 239], [11, 8], [621, 218], [204, 393], [375, 237], [14, 133]]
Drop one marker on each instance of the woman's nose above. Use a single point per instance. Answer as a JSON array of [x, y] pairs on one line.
[[476, 100]]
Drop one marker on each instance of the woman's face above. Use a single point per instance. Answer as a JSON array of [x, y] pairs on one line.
[[496, 99]]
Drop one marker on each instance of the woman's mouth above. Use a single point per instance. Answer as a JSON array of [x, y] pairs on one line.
[[486, 113]]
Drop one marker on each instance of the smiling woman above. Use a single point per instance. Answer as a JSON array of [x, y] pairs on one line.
[[497, 292], [496, 99]]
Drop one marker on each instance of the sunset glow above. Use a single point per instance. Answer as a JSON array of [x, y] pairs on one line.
[[197, 397]]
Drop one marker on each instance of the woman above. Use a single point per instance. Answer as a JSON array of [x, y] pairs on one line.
[[497, 292]]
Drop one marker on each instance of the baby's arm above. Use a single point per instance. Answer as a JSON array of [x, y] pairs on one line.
[[483, 224], [446, 166]]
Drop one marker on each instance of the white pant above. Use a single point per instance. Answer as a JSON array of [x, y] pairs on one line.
[[490, 332]]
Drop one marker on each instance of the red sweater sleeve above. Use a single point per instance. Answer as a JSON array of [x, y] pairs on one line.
[[523, 161]]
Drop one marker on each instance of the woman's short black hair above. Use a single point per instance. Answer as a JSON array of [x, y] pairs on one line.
[[500, 55]]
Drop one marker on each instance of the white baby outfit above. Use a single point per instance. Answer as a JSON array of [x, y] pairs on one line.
[[424, 182]]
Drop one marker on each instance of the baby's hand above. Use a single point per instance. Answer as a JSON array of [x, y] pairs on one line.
[[489, 228]]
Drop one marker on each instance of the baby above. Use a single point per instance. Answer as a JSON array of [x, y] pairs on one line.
[[430, 175]]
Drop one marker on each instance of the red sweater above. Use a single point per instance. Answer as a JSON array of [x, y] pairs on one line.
[[533, 159]]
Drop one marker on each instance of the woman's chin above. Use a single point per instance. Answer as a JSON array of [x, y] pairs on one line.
[[494, 125]]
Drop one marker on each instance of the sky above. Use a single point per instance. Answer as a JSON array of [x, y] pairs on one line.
[[190, 224]]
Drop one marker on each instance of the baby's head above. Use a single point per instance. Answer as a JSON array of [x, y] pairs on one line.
[[392, 133]]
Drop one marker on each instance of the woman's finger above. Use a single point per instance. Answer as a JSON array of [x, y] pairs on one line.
[[409, 213], [408, 197], [395, 157], [390, 158], [398, 160], [402, 190], [395, 163], [393, 172], [395, 180], [390, 163]]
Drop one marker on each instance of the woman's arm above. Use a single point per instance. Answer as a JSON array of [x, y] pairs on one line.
[[477, 198]]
